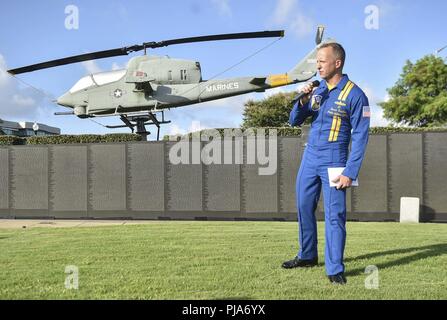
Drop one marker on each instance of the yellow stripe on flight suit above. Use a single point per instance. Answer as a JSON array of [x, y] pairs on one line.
[[342, 93], [337, 129], [336, 120], [347, 91]]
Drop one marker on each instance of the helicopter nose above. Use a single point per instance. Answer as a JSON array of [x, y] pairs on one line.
[[65, 100]]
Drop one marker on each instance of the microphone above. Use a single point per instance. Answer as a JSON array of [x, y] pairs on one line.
[[314, 84]]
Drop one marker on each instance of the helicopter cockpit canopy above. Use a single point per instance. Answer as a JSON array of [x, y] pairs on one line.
[[98, 79]]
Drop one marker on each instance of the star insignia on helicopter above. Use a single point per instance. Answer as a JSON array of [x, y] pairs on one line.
[[118, 93]]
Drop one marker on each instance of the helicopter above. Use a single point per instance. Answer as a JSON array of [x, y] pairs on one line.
[[152, 84]]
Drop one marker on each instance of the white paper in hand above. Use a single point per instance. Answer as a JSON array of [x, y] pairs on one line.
[[334, 173]]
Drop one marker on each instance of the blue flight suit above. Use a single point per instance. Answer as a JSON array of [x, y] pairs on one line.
[[338, 115]]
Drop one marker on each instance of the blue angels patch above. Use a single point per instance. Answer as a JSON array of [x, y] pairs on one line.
[[316, 102]]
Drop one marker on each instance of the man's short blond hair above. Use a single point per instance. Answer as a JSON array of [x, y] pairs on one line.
[[339, 51]]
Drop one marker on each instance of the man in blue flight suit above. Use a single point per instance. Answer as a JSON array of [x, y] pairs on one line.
[[340, 113]]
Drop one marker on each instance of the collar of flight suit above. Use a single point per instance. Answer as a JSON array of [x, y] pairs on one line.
[[340, 85]]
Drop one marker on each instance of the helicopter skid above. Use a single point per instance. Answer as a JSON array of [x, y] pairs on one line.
[[140, 121]]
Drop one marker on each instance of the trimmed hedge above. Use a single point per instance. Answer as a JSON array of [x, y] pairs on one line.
[[84, 138], [128, 137], [379, 130], [69, 139], [11, 140]]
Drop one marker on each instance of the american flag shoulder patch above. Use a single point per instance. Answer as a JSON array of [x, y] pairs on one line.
[[366, 112]]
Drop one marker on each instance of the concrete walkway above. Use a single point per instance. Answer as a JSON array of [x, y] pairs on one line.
[[26, 223]]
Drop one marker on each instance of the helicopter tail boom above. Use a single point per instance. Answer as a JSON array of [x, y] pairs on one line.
[[307, 67]]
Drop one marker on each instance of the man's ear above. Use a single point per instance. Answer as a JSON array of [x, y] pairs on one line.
[[338, 64]]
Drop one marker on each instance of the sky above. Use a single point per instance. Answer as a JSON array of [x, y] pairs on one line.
[[378, 36]]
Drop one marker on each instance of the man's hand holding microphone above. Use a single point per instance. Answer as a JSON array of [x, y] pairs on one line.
[[306, 92]]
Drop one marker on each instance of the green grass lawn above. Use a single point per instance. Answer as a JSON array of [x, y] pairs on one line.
[[218, 260]]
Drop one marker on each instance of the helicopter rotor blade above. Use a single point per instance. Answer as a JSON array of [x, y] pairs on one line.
[[216, 37], [126, 50], [69, 60]]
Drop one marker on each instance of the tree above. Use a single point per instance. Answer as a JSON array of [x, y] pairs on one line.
[[419, 97], [270, 112]]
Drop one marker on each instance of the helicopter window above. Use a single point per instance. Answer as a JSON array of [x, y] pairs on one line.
[[83, 83], [108, 77]]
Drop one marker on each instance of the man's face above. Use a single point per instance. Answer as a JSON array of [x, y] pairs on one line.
[[327, 63]]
